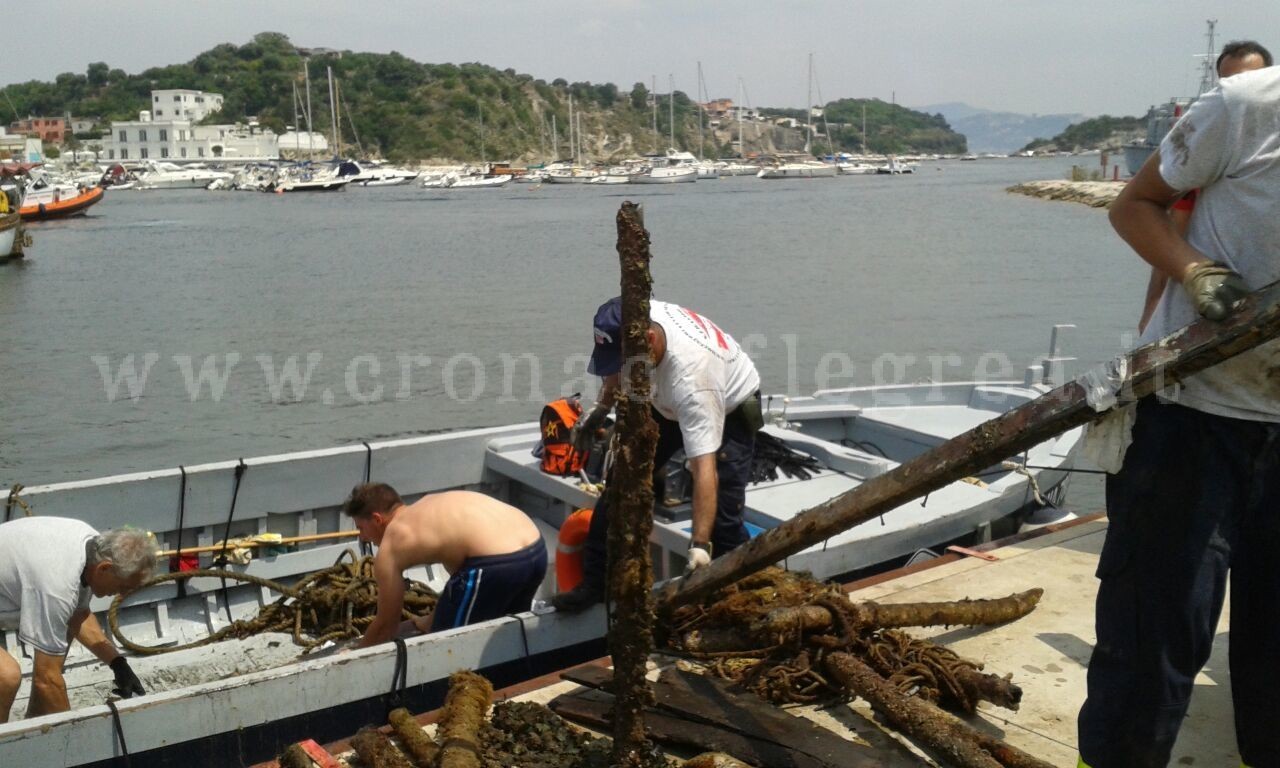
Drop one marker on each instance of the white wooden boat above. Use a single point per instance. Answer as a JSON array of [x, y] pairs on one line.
[[242, 700]]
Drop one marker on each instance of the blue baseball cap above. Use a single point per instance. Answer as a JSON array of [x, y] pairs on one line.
[[606, 357]]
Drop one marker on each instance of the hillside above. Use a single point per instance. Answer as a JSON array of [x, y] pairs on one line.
[[991, 131], [405, 110], [1106, 132]]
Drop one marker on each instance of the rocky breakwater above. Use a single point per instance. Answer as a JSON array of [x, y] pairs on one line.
[[1097, 194]]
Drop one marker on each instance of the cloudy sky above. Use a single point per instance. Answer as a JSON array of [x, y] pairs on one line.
[[1032, 56]]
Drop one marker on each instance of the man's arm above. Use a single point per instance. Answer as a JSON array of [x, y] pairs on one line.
[[705, 489], [91, 636], [1140, 216], [48, 689], [390, 578]]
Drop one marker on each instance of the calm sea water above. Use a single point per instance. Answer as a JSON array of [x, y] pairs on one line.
[[421, 310]]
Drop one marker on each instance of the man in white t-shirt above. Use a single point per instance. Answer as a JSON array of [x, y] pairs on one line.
[[706, 400], [49, 569], [1198, 494]]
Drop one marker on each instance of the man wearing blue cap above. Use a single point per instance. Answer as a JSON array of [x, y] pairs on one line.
[[706, 400]]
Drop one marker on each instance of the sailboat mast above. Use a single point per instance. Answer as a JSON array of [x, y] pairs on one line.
[[573, 148], [296, 125], [480, 108], [337, 122], [306, 75], [579, 135], [671, 106], [808, 108], [742, 146], [333, 114], [555, 137], [653, 94], [864, 129], [701, 97]]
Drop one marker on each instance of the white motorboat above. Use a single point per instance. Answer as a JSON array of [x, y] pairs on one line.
[[739, 169], [481, 182], [678, 174], [389, 181], [895, 167], [156, 174], [375, 174], [573, 175], [236, 701], [856, 169], [307, 178], [797, 169]]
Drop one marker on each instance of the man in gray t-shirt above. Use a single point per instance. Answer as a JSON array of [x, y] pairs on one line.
[[1198, 494], [50, 567]]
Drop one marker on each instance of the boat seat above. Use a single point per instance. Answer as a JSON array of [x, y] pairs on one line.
[[512, 458]]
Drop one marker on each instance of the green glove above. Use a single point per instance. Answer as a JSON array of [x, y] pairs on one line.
[[1214, 289]]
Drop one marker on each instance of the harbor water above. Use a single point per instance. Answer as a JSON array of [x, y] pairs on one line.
[[164, 328]]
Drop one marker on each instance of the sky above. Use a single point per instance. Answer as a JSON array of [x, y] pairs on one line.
[[1030, 56]]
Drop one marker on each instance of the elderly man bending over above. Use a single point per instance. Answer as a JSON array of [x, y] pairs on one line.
[[493, 552], [49, 569]]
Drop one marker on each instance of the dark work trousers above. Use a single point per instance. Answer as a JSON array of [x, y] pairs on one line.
[[1198, 496], [733, 469]]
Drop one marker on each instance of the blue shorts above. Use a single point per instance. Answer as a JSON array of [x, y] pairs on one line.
[[492, 586]]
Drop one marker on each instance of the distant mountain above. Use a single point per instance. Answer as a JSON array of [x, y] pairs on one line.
[[991, 131]]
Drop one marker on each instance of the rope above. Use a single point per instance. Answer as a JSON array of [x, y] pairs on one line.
[[182, 513], [524, 642], [399, 676], [366, 547], [115, 719], [333, 604], [15, 499], [221, 559]]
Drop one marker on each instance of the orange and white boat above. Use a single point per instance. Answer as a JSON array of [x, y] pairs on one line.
[[45, 198]]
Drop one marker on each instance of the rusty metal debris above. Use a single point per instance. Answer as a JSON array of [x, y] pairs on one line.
[[377, 751], [420, 747], [630, 496], [772, 632], [465, 707]]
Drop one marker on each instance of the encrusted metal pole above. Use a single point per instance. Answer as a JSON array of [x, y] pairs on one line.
[[1147, 369], [630, 495]]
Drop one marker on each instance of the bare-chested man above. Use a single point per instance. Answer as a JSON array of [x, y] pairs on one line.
[[493, 552]]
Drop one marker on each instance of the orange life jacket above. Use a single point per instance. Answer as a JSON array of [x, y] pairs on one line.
[[558, 455], [573, 535]]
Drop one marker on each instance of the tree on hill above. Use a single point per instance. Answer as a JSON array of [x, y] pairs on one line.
[[406, 110], [1097, 133]]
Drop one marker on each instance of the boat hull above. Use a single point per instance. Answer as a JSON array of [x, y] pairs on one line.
[[667, 176], [799, 172], [300, 494], [10, 236], [63, 207]]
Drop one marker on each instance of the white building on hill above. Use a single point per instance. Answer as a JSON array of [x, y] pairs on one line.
[[171, 131]]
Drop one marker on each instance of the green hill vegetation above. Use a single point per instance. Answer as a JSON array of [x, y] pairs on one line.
[[395, 107], [1104, 132]]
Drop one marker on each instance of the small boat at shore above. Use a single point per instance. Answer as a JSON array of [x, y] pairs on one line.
[[45, 197], [242, 698]]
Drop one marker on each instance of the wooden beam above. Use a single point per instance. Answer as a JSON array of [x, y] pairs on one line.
[[1149, 368]]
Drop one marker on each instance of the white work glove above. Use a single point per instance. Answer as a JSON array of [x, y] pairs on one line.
[[698, 557], [1107, 440]]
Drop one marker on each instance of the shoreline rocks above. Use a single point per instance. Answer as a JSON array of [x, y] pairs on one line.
[[1096, 194]]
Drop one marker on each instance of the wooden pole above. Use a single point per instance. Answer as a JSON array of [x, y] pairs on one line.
[[280, 543], [1150, 368], [630, 503]]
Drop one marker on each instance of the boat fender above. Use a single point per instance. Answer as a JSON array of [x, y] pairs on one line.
[[41, 209], [573, 535]]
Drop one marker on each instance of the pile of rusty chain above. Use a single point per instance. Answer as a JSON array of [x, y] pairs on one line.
[[336, 603]]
